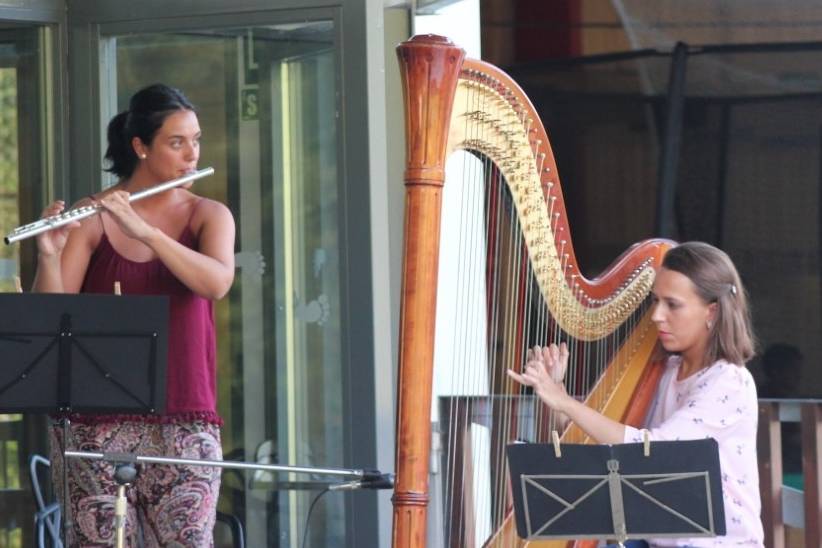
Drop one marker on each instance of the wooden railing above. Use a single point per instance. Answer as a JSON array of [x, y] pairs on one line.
[[769, 448]]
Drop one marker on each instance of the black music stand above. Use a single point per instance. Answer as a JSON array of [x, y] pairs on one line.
[[83, 353], [86, 353], [615, 491]]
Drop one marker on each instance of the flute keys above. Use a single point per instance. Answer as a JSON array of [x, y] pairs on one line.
[[77, 213]]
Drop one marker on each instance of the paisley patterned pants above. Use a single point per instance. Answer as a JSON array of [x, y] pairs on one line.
[[168, 505]]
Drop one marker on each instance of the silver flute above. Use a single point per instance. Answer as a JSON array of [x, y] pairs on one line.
[[55, 221]]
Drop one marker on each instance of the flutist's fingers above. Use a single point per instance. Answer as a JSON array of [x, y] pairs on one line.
[[130, 222], [52, 242], [54, 208]]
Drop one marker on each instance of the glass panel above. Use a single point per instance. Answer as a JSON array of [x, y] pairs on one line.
[[26, 157], [268, 109], [9, 180]]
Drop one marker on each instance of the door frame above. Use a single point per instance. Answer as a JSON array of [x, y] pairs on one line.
[[93, 20], [44, 163]]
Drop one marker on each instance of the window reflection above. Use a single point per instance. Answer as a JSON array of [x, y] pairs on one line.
[[26, 167], [268, 109]]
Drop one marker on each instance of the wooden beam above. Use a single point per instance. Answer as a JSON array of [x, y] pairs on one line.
[[812, 470], [769, 449]]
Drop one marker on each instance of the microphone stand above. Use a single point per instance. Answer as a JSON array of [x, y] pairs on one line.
[[125, 473]]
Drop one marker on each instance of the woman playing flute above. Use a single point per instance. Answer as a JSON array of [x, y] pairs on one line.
[[173, 243]]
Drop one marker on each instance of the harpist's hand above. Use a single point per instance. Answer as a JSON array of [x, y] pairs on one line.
[[543, 372], [553, 358]]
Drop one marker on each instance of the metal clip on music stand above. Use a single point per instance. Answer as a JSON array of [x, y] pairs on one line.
[[66, 354], [615, 491]]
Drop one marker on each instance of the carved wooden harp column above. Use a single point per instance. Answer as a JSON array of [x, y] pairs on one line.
[[531, 290]]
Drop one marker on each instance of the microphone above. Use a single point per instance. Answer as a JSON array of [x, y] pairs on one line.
[[370, 481]]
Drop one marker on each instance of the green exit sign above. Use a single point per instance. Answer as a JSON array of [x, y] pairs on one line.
[[249, 104]]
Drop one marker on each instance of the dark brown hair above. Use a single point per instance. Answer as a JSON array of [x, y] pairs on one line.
[[146, 113]]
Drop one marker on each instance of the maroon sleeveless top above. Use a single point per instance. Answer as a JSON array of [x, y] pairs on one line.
[[191, 389]]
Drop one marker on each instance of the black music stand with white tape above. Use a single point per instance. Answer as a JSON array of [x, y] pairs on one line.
[[67, 353], [616, 491]]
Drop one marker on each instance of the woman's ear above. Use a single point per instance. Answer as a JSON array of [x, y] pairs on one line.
[[140, 149], [712, 308]]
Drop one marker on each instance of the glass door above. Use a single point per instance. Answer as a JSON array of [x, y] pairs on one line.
[[302, 302], [26, 172], [267, 102]]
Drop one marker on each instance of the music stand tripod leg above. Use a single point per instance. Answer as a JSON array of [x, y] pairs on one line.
[[124, 474], [67, 523]]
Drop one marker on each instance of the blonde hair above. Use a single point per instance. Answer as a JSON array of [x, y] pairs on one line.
[[716, 280]]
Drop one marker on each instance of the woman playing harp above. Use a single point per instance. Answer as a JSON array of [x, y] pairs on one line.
[[516, 284], [701, 313]]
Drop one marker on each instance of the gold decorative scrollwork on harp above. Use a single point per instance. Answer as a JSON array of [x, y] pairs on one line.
[[501, 132], [530, 291]]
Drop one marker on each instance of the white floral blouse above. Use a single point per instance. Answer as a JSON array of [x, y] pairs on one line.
[[717, 402]]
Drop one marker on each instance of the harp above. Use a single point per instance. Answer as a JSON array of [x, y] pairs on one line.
[[517, 283]]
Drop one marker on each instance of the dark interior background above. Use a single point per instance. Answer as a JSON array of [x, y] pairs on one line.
[[717, 140]]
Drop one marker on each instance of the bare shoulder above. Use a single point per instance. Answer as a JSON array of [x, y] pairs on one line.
[[210, 213], [91, 229], [83, 202], [89, 200], [207, 209]]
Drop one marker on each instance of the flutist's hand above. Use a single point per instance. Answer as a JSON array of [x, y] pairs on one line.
[[130, 222], [52, 242]]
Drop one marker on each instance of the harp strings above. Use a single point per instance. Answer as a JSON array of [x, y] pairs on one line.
[[499, 313]]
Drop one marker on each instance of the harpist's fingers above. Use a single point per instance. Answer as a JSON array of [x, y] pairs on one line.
[[535, 369], [522, 379]]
